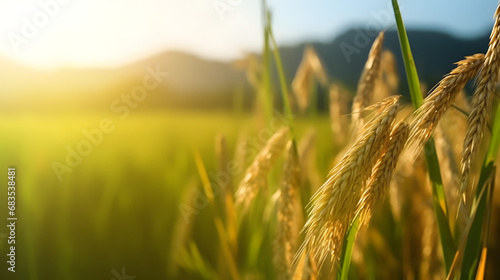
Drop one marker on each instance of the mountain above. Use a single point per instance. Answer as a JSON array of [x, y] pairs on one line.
[[192, 82], [434, 54], [198, 83]]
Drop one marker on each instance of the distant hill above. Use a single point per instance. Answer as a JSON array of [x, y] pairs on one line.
[[434, 54], [197, 83]]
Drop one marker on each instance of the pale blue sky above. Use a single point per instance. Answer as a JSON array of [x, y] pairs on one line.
[[106, 33]]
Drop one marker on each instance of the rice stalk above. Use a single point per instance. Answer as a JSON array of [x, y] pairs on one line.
[[256, 175], [388, 83], [302, 83], [375, 190], [481, 103], [382, 173], [366, 85], [309, 68], [288, 228], [332, 207], [440, 99], [317, 66]]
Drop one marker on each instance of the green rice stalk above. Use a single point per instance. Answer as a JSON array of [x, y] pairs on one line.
[[438, 194]]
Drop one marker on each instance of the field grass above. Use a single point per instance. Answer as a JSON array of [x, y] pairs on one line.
[[119, 207]]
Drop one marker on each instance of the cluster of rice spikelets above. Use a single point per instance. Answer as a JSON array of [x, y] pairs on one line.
[[366, 85], [388, 82], [288, 226], [256, 175], [334, 204], [310, 67], [382, 172], [404, 171], [481, 102], [441, 98]]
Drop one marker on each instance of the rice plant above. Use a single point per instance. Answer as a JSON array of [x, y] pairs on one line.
[[399, 200]]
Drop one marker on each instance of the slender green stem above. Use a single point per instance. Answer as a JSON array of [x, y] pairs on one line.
[[281, 74], [350, 239], [266, 94], [283, 84], [438, 194], [495, 140], [411, 70]]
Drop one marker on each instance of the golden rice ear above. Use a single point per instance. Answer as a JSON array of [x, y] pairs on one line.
[[366, 84], [309, 68], [302, 83], [382, 172], [481, 104], [390, 72], [440, 99], [388, 82], [288, 225], [317, 66], [256, 175], [334, 204]]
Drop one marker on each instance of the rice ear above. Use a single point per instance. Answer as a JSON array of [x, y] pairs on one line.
[[288, 228], [317, 66], [309, 68], [481, 103], [256, 175], [382, 172], [302, 83], [366, 84], [440, 99], [332, 207]]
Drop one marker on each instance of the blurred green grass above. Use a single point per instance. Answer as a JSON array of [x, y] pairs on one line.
[[119, 207]]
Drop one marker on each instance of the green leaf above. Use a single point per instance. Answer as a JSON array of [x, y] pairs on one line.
[[283, 83], [350, 239], [266, 93], [438, 194]]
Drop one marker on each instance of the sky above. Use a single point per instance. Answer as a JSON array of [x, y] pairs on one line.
[[108, 33]]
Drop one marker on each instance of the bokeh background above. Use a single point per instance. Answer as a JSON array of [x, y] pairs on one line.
[[105, 105]]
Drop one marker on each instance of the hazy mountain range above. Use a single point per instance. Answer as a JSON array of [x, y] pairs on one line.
[[197, 83]]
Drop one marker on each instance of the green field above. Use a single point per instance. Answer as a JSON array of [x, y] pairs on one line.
[[375, 188], [119, 207]]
